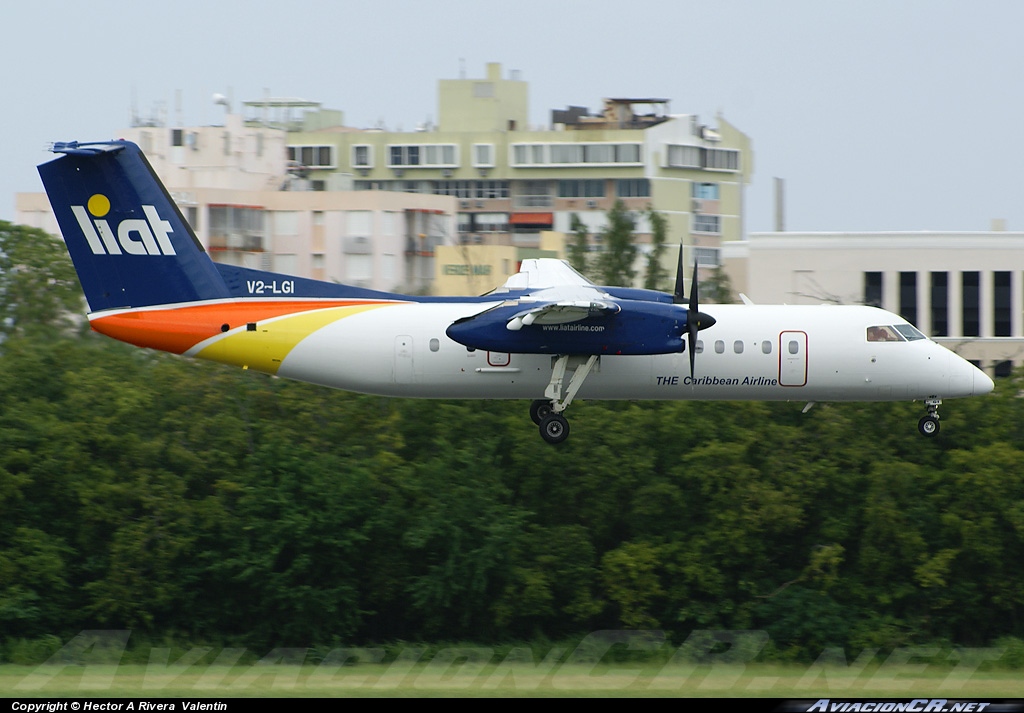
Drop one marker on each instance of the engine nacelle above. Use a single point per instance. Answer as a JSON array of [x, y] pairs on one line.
[[637, 328]]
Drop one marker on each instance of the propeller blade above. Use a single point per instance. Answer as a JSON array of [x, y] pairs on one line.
[[695, 319], [677, 296]]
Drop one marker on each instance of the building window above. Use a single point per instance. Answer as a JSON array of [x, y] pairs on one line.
[[589, 188], [720, 159], [483, 155], [459, 189], [491, 189], [704, 191], [489, 223], [707, 224], [533, 194], [908, 296], [971, 322], [428, 155], [471, 189], [312, 156], [177, 137], [1002, 369], [682, 156], [633, 188], [873, 289], [362, 156], [708, 257], [403, 155], [566, 153], [585, 154], [233, 227], [1001, 304], [940, 304], [627, 153]]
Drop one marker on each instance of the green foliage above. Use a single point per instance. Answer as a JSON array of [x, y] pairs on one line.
[[38, 285], [190, 502], [615, 262], [579, 248], [656, 277], [718, 288]]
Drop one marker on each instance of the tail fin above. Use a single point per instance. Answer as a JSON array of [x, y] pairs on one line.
[[128, 240]]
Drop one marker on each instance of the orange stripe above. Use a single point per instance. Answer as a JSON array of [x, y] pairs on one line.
[[179, 329]]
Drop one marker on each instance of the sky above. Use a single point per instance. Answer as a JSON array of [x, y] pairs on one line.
[[879, 114]]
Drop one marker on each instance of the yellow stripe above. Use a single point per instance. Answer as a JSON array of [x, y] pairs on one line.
[[265, 348]]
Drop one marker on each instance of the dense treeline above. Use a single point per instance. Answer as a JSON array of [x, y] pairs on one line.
[[191, 502], [180, 498]]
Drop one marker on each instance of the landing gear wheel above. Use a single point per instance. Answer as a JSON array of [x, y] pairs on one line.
[[539, 410], [928, 426], [554, 428]]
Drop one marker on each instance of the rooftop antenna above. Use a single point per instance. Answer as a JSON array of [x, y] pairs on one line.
[[462, 68], [221, 100]]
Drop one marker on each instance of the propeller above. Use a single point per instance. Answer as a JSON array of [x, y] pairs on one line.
[[695, 319]]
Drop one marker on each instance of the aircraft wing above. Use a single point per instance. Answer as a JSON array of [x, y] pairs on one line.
[[542, 274], [562, 312]]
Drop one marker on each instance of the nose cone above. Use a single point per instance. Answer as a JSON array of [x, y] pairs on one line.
[[705, 320], [982, 383], [965, 379]]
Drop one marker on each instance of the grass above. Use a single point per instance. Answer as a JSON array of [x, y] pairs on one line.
[[465, 679]]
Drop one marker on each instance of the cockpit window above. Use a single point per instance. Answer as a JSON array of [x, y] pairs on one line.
[[910, 332], [884, 334]]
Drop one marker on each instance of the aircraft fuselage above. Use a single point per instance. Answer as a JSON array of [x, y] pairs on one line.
[[758, 352]]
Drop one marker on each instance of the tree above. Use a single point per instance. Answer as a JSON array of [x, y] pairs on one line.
[[579, 247], [718, 289], [615, 264], [656, 275], [38, 285]]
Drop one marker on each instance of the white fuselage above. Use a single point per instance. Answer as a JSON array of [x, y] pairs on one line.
[[754, 352]]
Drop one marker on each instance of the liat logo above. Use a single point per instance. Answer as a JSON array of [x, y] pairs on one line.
[[134, 236]]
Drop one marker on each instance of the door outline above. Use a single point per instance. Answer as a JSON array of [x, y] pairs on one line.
[[792, 367]]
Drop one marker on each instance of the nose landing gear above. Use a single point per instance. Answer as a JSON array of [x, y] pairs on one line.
[[928, 426]]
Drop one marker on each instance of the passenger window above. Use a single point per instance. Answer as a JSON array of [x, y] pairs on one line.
[[737, 346], [766, 347], [700, 347], [434, 344], [794, 347], [719, 347]]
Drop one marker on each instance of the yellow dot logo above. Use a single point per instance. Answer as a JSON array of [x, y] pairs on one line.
[[99, 205]]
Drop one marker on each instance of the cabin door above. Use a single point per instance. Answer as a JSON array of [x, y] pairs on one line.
[[793, 358]]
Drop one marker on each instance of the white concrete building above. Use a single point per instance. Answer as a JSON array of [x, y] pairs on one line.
[[249, 207], [965, 290]]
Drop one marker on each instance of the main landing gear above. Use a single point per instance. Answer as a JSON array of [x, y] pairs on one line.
[[929, 424], [547, 412]]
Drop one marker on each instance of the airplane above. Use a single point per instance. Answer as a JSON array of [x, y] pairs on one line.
[[548, 334]]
